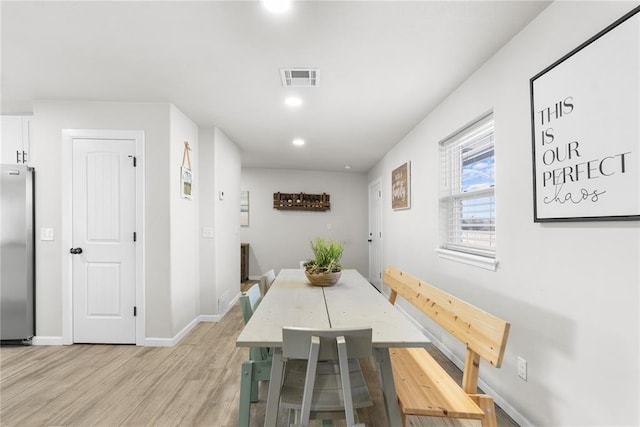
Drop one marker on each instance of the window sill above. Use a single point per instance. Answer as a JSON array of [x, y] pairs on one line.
[[475, 260]]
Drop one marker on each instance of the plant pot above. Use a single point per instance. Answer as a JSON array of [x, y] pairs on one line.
[[323, 279]]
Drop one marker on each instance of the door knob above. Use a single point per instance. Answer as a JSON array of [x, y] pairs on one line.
[[75, 251]]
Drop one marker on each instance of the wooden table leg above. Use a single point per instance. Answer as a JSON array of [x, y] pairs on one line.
[[273, 399], [388, 386]]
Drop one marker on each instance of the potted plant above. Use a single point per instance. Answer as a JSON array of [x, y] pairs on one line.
[[324, 268]]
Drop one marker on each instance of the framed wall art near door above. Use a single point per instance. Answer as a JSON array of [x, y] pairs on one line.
[[244, 208], [186, 178], [401, 187], [585, 129]]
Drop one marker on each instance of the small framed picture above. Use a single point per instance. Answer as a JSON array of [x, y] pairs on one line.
[[244, 208], [401, 187], [186, 178]]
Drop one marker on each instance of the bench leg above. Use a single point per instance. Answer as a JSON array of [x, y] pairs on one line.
[[486, 404]]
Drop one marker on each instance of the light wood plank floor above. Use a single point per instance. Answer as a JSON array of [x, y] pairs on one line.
[[195, 383]]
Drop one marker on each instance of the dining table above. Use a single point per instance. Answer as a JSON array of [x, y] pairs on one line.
[[351, 303]]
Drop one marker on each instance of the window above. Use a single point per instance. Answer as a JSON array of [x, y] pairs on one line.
[[467, 184]]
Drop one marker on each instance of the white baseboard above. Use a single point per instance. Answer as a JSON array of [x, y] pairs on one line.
[[158, 342], [225, 310], [41, 340], [499, 400], [171, 342], [150, 341], [183, 333]]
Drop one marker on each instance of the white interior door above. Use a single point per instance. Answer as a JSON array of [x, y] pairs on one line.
[[104, 262], [375, 234]]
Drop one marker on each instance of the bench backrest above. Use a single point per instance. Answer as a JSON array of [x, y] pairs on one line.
[[484, 334]]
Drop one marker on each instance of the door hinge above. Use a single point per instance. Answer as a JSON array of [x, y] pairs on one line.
[[135, 311], [135, 236], [135, 160]]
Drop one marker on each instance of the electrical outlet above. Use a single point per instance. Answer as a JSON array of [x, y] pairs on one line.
[[522, 368]]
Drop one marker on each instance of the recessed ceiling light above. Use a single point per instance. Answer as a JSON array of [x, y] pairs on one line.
[[298, 142], [347, 166], [276, 6], [293, 101]]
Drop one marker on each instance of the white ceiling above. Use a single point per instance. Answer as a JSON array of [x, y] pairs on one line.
[[383, 65]]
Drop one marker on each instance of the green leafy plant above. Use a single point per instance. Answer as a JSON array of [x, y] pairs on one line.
[[327, 254]]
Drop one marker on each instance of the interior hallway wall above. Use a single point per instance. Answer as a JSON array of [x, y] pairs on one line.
[[208, 305], [280, 239], [570, 290], [226, 194], [184, 247], [219, 223], [50, 117], [170, 235]]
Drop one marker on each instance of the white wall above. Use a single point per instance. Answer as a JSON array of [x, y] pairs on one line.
[[280, 239], [227, 220], [220, 251], [178, 292], [184, 214], [570, 291], [206, 178], [50, 117], [171, 229]]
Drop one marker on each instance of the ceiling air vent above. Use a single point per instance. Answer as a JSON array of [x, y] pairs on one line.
[[300, 77]]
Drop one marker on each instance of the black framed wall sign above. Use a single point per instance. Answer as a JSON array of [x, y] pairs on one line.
[[585, 121]]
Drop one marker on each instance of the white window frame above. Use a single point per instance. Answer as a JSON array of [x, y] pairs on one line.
[[478, 251]]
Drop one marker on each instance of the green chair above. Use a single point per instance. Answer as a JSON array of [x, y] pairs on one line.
[[266, 280], [258, 367]]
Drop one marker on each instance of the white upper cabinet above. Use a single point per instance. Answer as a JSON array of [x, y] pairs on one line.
[[14, 142]]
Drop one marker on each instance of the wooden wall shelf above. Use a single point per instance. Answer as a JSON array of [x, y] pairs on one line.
[[301, 201]]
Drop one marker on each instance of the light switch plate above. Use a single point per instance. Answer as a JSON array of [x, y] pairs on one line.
[[46, 234]]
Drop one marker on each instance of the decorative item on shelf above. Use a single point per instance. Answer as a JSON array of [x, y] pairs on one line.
[[324, 268], [302, 201]]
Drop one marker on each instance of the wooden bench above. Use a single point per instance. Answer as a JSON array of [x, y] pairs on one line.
[[424, 388]]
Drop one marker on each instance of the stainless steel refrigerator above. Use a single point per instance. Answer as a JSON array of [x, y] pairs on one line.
[[17, 266]]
